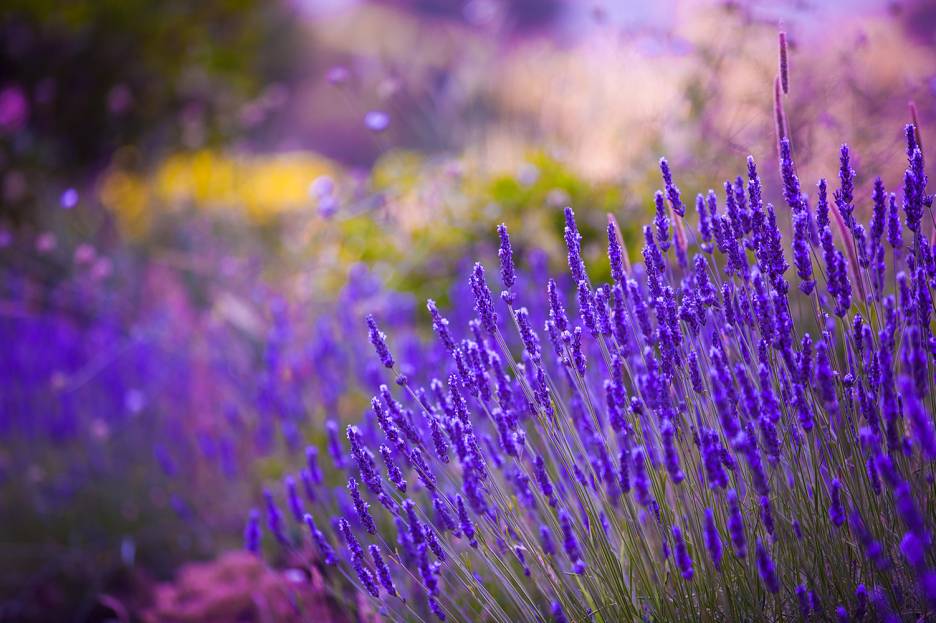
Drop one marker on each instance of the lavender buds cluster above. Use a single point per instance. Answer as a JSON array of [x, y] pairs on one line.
[[708, 443]]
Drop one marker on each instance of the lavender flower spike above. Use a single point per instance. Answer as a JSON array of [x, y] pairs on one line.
[[505, 253], [570, 542], [441, 326], [484, 304], [672, 191], [252, 532], [379, 340], [736, 525], [766, 568], [383, 572], [361, 507], [682, 554], [325, 549], [615, 253], [574, 245], [712, 539]]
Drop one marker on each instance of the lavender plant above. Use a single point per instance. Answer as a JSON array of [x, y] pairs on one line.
[[700, 441]]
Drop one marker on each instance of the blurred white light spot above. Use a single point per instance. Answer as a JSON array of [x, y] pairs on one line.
[[377, 121], [321, 186], [134, 401], [69, 199]]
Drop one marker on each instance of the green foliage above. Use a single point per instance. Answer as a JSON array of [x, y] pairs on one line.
[[100, 75]]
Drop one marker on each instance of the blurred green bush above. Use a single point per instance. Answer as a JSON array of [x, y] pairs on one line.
[[83, 78]]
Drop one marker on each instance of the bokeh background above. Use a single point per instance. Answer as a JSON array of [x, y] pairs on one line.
[[200, 201]]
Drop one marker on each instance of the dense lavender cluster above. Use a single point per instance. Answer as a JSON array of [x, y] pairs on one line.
[[698, 441]]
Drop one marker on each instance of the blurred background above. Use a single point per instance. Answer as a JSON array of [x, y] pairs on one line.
[[199, 202]]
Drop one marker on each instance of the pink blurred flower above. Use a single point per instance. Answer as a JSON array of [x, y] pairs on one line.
[[337, 75], [46, 242], [120, 99], [14, 108], [102, 268], [85, 254]]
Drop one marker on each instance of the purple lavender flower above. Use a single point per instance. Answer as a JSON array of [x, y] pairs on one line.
[[394, 475], [712, 539], [444, 517], [315, 472], [426, 476], [894, 235], [505, 253], [736, 525], [766, 568], [767, 515], [640, 481], [706, 208], [308, 485], [587, 307], [822, 205], [578, 356], [570, 542], [624, 471], [615, 254], [836, 511], [467, 526], [334, 445], [252, 532], [573, 243], [602, 301], [383, 571], [558, 614], [379, 340], [882, 606], [324, 548], [661, 222], [292, 498], [712, 459], [433, 542], [825, 380], [354, 547], [484, 304], [914, 191], [556, 308], [546, 540], [542, 478], [791, 185], [274, 518], [925, 435], [784, 62], [909, 513], [436, 608], [861, 599], [683, 560], [802, 598], [361, 507], [845, 195], [670, 453], [672, 191], [439, 441], [441, 326], [801, 251]]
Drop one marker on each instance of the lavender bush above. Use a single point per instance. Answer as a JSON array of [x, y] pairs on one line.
[[710, 437]]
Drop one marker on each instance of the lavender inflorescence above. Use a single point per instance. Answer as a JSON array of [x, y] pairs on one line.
[[685, 450]]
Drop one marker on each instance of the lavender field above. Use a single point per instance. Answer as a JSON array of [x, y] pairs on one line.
[[489, 310]]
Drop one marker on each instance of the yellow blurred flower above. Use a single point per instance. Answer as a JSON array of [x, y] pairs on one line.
[[259, 186]]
